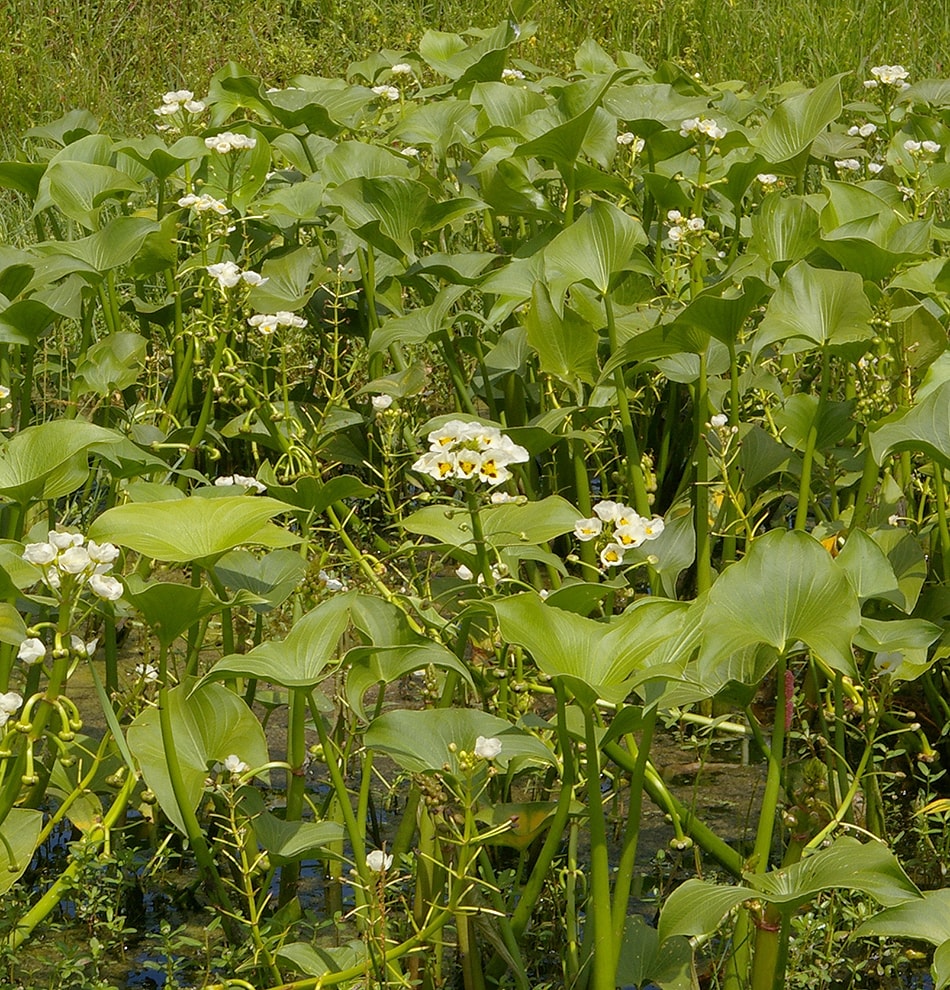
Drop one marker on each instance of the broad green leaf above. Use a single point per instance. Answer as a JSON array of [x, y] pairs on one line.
[[160, 159], [116, 244], [450, 55], [12, 626], [372, 666], [437, 125], [924, 427], [21, 828], [644, 960], [506, 525], [315, 960], [593, 250], [784, 229], [25, 322], [80, 189], [286, 842], [800, 412], [867, 568], [785, 589], [312, 494], [209, 724], [288, 285], [797, 121], [926, 918], [300, 660], [868, 867], [113, 364], [565, 343], [273, 577], [597, 659], [23, 176], [722, 310], [49, 460], [815, 307], [189, 529], [899, 645], [419, 741], [527, 820], [697, 907]]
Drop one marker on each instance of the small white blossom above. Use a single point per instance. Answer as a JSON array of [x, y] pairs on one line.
[[875, 168], [464, 573], [516, 74], [676, 234], [501, 498], [75, 560], [719, 421], [888, 663], [674, 216], [410, 152], [4, 393], [912, 146], [82, 649], [378, 861], [387, 92], [194, 106], [234, 764], [63, 541], [147, 672], [330, 582], [767, 178], [226, 272], [588, 529], [105, 587], [31, 650], [9, 705], [696, 224], [178, 96], [870, 84], [40, 553], [253, 278], [381, 402], [487, 748], [848, 164], [102, 553], [931, 147], [612, 555], [203, 204], [401, 69]]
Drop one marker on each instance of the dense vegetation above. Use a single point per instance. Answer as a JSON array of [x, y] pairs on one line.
[[392, 452]]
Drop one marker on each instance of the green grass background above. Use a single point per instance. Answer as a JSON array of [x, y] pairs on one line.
[[115, 57]]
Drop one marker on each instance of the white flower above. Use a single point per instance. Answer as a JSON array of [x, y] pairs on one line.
[[711, 129], [767, 178], [330, 582], [4, 393], [629, 139], [695, 224], [40, 553], [609, 511], [888, 663], [252, 278], [178, 96], [848, 164], [612, 555], [912, 146], [203, 204], [719, 421], [401, 69], [82, 649], [511, 74], [688, 126], [436, 464], [239, 481], [106, 587], [166, 110], [194, 106], [102, 553], [487, 748], [464, 573], [147, 672], [676, 234], [9, 705], [866, 130], [226, 272], [410, 152], [588, 529], [890, 75], [266, 324], [74, 560], [931, 147], [381, 402], [288, 319], [870, 84], [63, 541], [31, 650], [631, 534], [500, 498], [387, 92], [378, 861], [234, 764], [875, 168], [652, 528]]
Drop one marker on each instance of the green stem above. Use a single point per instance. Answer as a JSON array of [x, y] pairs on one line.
[[296, 755], [808, 458]]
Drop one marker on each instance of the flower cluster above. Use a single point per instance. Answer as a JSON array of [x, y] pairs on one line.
[[470, 450], [847, 165], [888, 75], [204, 204], [511, 74], [227, 141], [702, 125], [401, 69], [921, 147], [229, 275], [631, 530], [683, 227], [629, 140], [67, 557], [173, 102], [267, 323]]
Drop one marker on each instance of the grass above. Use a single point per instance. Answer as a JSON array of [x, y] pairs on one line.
[[114, 57]]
